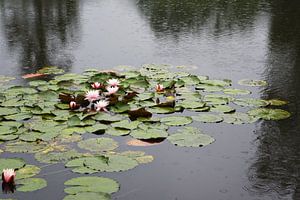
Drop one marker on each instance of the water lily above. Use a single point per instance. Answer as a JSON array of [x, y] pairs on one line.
[[159, 88], [92, 95], [113, 82], [8, 175], [112, 90], [96, 85], [101, 105], [73, 105]]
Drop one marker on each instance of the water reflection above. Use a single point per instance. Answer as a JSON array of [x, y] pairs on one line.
[[277, 168], [176, 17], [39, 32]]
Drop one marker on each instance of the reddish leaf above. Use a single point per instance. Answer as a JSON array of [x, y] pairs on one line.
[[141, 112], [140, 143], [66, 98], [32, 75]]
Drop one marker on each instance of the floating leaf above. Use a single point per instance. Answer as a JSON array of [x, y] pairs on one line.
[[249, 82], [177, 120], [190, 137], [88, 195], [18, 116], [251, 102], [277, 102], [222, 109], [141, 112], [11, 163], [222, 83], [151, 133], [269, 114], [238, 118], [51, 70], [8, 111], [125, 124], [141, 143], [91, 184], [161, 110], [96, 128], [236, 91], [31, 184], [105, 117], [188, 104], [98, 144], [208, 118], [24, 147], [55, 157], [27, 171], [110, 163], [117, 132]]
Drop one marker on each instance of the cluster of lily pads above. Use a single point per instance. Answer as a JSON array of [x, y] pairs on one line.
[[50, 115]]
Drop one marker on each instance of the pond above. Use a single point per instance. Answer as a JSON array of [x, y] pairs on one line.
[[221, 39]]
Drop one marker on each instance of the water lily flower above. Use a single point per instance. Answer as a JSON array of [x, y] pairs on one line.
[[92, 95], [113, 82], [101, 105], [112, 90], [73, 105], [8, 175], [96, 85], [159, 88]]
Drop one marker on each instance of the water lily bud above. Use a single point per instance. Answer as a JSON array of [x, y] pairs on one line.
[[73, 105], [96, 85], [8, 175]]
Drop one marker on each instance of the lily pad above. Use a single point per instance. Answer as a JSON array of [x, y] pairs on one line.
[[161, 110], [250, 82], [277, 102], [27, 171], [91, 184], [251, 102], [51, 70], [125, 124], [177, 120], [105, 117], [222, 109], [190, 137], [208, 118], [88, 195], [111, 163], [8, 111], [11, 163], [98, 144], [24, 147], [238, 118], [236, 91], [117, 132], [151, 133], [269, 114], [31, 184]]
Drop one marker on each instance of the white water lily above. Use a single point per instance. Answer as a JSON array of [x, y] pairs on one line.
[[112, 90], [101, 105], [92, 95], [113, 82]]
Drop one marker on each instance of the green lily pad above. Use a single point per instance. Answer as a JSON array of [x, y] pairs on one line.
[[27, 171], [222, 83], [236, 91], [91, 184], [105, 117], [208, 118], [138, 156], [11, 163], [18, 116], [98, 144], [238, 118], [110, 163], [31, 184], [88, 195], [190, 137], [151, 133], [24, 147], [249, 82], [96, 128], [50, 70], [117, 132], [222, 109], [161, 110], [209, 88], [277, 102], [8, 137], [188, 104], [55, 157], [177, 120], [8, 111], [269, 114], [125, 124], [251, 102]]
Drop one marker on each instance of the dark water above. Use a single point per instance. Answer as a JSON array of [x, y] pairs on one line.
[[223, 39]]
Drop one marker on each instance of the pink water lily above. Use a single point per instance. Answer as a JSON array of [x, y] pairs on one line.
[[73, 105], [101, 105], [159, 88], [112, 90], [92, 95], [96, 85], [8, 175], [113, 82]]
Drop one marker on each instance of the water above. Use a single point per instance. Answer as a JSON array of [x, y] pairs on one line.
[[222, 39]]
